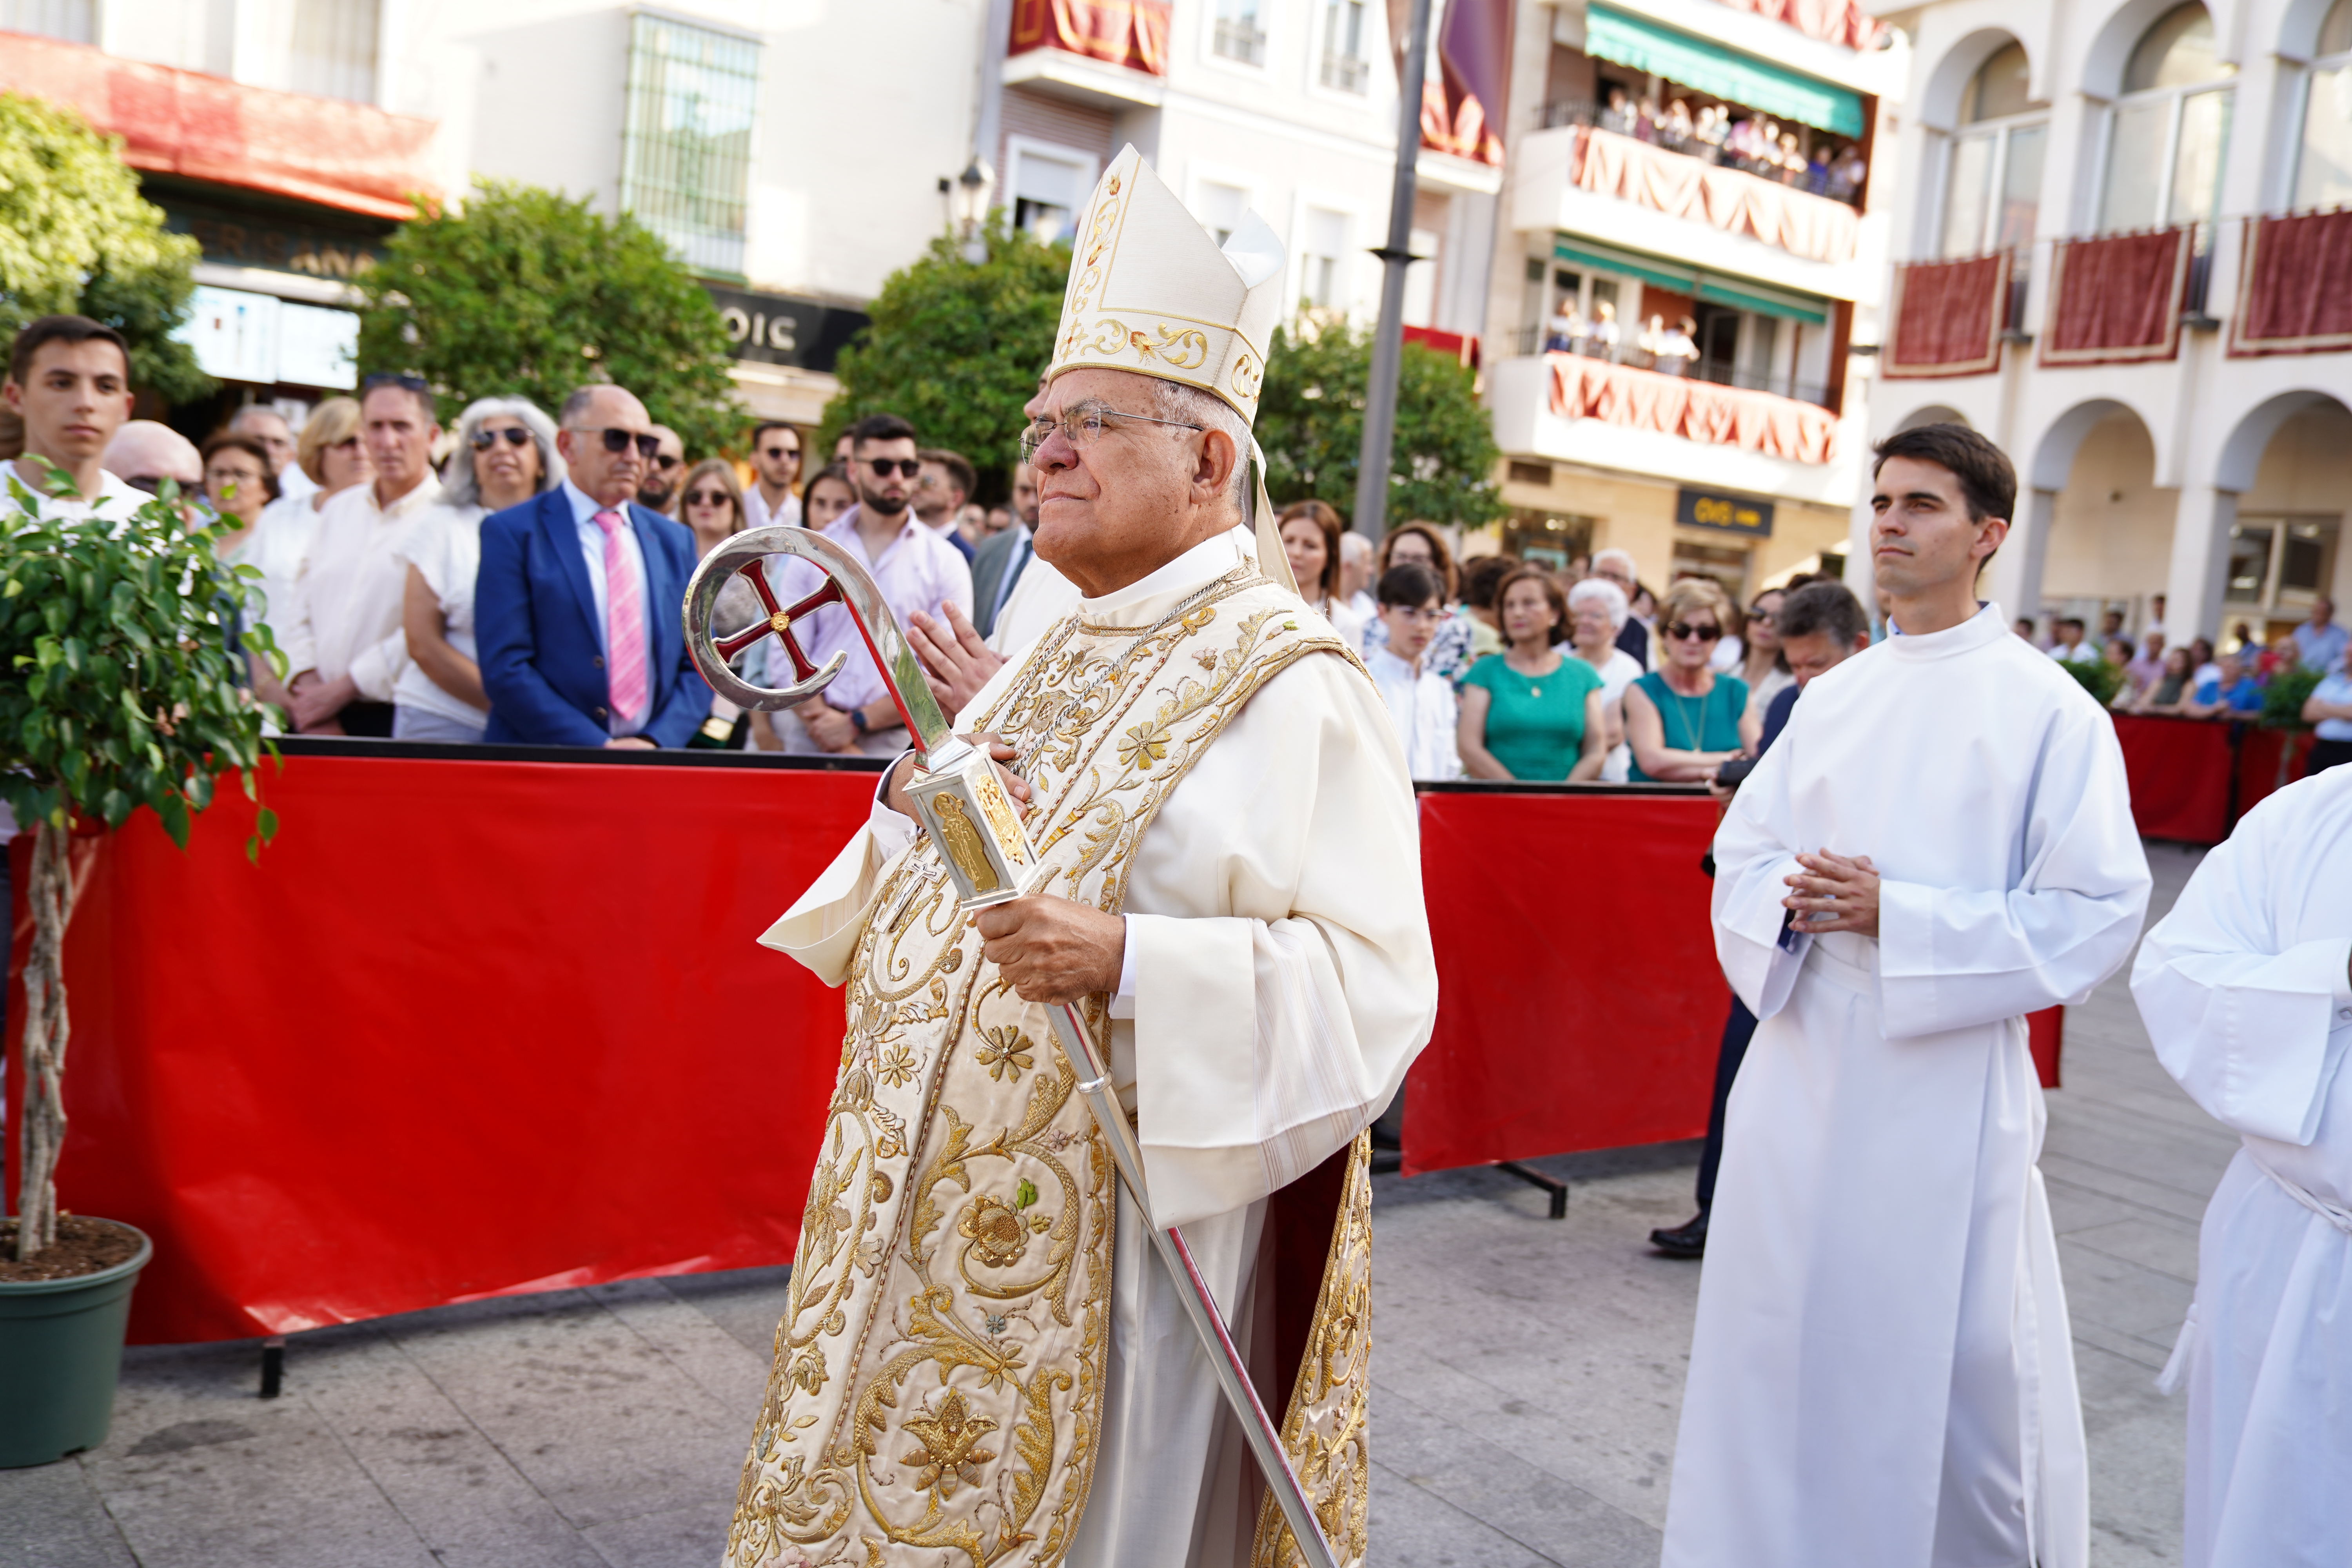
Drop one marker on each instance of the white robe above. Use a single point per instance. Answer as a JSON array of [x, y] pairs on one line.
[[2244, 992], [1282, 983], [1882, 1375]]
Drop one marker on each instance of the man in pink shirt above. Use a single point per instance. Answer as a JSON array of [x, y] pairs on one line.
[[916, 568]]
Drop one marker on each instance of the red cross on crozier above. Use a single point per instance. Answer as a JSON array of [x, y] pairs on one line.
[[780, 621]]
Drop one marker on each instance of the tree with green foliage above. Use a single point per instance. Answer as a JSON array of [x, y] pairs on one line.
[[77, 236], [529, 293], [2095, 675], [1310, 420], [955, 347], [124, 691]]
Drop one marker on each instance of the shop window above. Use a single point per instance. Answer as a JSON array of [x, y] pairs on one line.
[[75, 21], [1345, 66], [1992, 183], [1236, 34], [334, 49], [1726, 564], [1547, 539], [1323, 253], [2167, 135], [2323, 173], [686, 160]]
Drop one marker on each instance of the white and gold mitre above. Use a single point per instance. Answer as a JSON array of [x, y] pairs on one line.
[[1151, 291]]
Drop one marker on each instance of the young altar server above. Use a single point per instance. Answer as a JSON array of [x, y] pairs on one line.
[[1939, 843], [2246, 987]]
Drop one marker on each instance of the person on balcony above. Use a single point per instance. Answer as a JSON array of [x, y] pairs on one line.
[[1566, 329], [1678, 350], [1847, 173], [1674, 133], [1619, 114], [1601, 339], [1650, 347], [1713, 125]]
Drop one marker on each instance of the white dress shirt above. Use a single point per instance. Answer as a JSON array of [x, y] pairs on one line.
[[345, 617], [1423, 707], [918, 570], [115, 499], [757, 515], [445, 545], [584, 509]]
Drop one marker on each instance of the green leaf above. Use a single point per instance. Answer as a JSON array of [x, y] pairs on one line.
[[1026, 1194], [265, 822], [175, 813]]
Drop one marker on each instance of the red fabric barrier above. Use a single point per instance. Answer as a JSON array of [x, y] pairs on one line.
[[2259, 751], [1580, 1003], [2179, 775], [2294, 286], [469, 1029]]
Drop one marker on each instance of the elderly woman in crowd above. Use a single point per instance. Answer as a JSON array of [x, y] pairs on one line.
[[1310, 538], [1682, 720], [504, 455], [330, 454], [239, 485], [1449, 651], [1531, 712], [827, 496], [1596, 614]]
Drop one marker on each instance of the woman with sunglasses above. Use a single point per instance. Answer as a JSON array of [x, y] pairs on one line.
[[505, 454], [1683, 720], [1759, 661], [1531, 712]]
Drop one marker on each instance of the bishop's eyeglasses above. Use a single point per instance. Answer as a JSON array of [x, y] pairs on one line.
[[1082, 428]]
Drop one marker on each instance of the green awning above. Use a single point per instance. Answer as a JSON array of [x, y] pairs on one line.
[[1740, 293], [1632, 40]]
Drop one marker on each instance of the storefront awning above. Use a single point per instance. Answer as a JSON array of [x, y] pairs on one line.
[[1696, 62], [1740, 293]]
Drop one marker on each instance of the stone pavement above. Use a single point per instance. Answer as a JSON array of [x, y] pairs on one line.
[[1527, 1382]]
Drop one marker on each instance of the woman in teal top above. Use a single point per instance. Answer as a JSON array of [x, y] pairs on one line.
[[1683, 720], [1531, 712]]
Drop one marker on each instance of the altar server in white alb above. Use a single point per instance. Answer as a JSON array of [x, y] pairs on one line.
[[1939, 843], [981, 1358], [2246, 987]]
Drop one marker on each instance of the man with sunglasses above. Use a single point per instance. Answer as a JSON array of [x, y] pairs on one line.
[[577, 604], [1938, 843], [917, 569], [658, 491], [772, 502], [341, 635]]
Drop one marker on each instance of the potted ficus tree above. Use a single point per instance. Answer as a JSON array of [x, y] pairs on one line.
[[122, 689]]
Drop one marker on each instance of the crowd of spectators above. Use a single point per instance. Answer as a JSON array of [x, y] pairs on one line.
[[1719, 133]]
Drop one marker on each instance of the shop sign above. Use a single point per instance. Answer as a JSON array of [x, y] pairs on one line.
[[238, 335], [776, 329], [272, 243], [1725, 513]]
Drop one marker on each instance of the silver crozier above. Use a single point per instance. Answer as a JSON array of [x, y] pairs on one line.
[[960, 802]]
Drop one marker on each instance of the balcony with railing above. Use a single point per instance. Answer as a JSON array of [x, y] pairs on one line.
[[1110, 54]]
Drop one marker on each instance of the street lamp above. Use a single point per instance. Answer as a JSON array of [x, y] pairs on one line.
[[972, 189]]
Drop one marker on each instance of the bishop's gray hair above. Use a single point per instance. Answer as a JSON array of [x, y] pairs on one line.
[[1190, 405]]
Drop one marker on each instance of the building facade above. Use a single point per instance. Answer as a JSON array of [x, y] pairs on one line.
[[1692, 238], [2123, 253]]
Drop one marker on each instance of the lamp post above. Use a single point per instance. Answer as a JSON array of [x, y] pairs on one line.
[[972, 193], [1388, 339]]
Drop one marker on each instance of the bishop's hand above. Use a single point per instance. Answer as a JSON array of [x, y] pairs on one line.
[[1834, 893], [999, 752], [1052, 949]]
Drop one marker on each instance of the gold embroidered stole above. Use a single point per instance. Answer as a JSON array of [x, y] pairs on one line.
[[939, 1369]]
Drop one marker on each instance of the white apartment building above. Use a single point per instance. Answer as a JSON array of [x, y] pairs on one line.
[[793, 155], [1634, 192], [2124, 254]]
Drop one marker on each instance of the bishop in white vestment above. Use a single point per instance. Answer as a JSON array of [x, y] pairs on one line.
[[982, 1359], [2246, 987], [1881, 1375]]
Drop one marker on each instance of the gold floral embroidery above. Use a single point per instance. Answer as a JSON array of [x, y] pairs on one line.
[[946, 1445], [1005, 1049]]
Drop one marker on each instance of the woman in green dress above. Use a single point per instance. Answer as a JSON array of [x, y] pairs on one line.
[[1683, 720], [1531, 712]]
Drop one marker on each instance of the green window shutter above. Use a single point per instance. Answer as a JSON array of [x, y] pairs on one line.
[[1632, 40]]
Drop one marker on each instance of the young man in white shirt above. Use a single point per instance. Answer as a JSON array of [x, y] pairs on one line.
[[1412, 606], [70, 383], [776, 459], [342, 638]]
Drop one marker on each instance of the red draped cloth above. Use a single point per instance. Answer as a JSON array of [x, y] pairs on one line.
[[173, 121], [1762, 421], [2294, 288], [1129, 33], [2117, 299], [1733, 200], [1947, 316], [1841, 22]]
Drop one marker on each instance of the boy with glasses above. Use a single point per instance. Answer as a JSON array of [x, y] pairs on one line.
[[1412, 606]]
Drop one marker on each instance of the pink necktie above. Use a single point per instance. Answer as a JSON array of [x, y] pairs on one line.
[[624, 623]]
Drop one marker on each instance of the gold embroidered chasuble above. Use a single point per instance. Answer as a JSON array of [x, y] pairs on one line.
[[940, 1371]]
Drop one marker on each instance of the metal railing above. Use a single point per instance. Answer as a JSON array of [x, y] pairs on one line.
[[1560, 111], [1529, 341]]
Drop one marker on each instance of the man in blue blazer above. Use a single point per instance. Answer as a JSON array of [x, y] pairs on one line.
[[577, 609]]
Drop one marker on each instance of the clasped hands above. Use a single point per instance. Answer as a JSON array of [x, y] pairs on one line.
[[1834, 892], [1049, 949]]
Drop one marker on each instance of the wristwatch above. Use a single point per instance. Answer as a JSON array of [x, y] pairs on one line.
[[857, 720]]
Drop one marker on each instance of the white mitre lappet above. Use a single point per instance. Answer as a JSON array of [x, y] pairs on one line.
[[1152, 292]]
